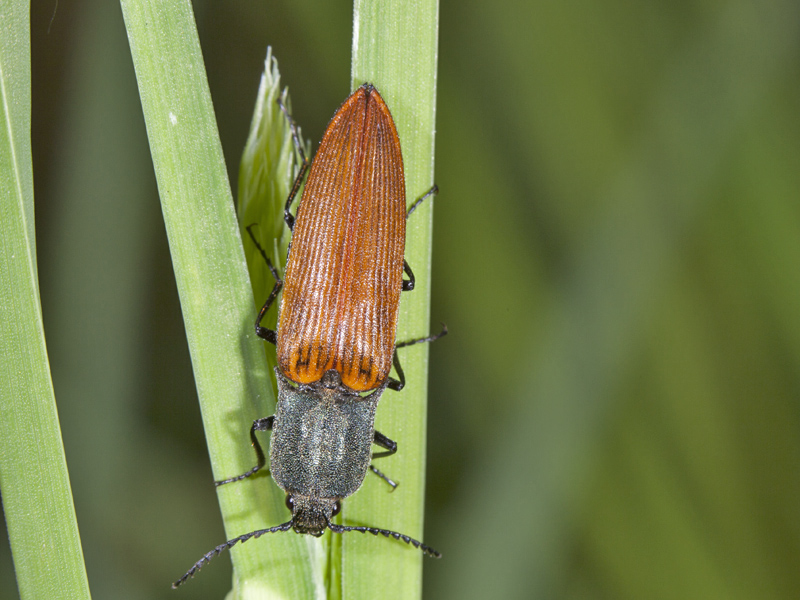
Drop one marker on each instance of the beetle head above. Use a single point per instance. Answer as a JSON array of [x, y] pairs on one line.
[[311, 515]]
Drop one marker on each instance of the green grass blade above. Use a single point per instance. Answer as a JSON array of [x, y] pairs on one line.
[[216, 297], [37, 500], [395, 48]]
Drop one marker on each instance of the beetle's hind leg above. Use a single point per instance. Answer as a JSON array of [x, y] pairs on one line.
[[431, 192], [408, 284], [391, 447], [399, 383]]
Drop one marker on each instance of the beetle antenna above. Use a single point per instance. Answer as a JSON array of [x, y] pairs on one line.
[[386, 533], [219, 549]]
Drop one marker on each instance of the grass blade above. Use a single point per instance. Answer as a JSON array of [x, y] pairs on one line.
[[216, 297], [37, 499], [395, 48]]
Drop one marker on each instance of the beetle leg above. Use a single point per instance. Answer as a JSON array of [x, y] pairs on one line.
[[391, 447], [264, 332], [287, 215], [384, 442], [431, 192], [264, 424], [272, 269], [384, 477], [399, 383], [408, 284], [422, 340]]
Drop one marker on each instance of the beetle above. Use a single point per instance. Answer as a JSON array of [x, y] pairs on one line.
[[337, 321]]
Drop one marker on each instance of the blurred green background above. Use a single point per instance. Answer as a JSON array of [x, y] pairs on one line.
[[616, 412]]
